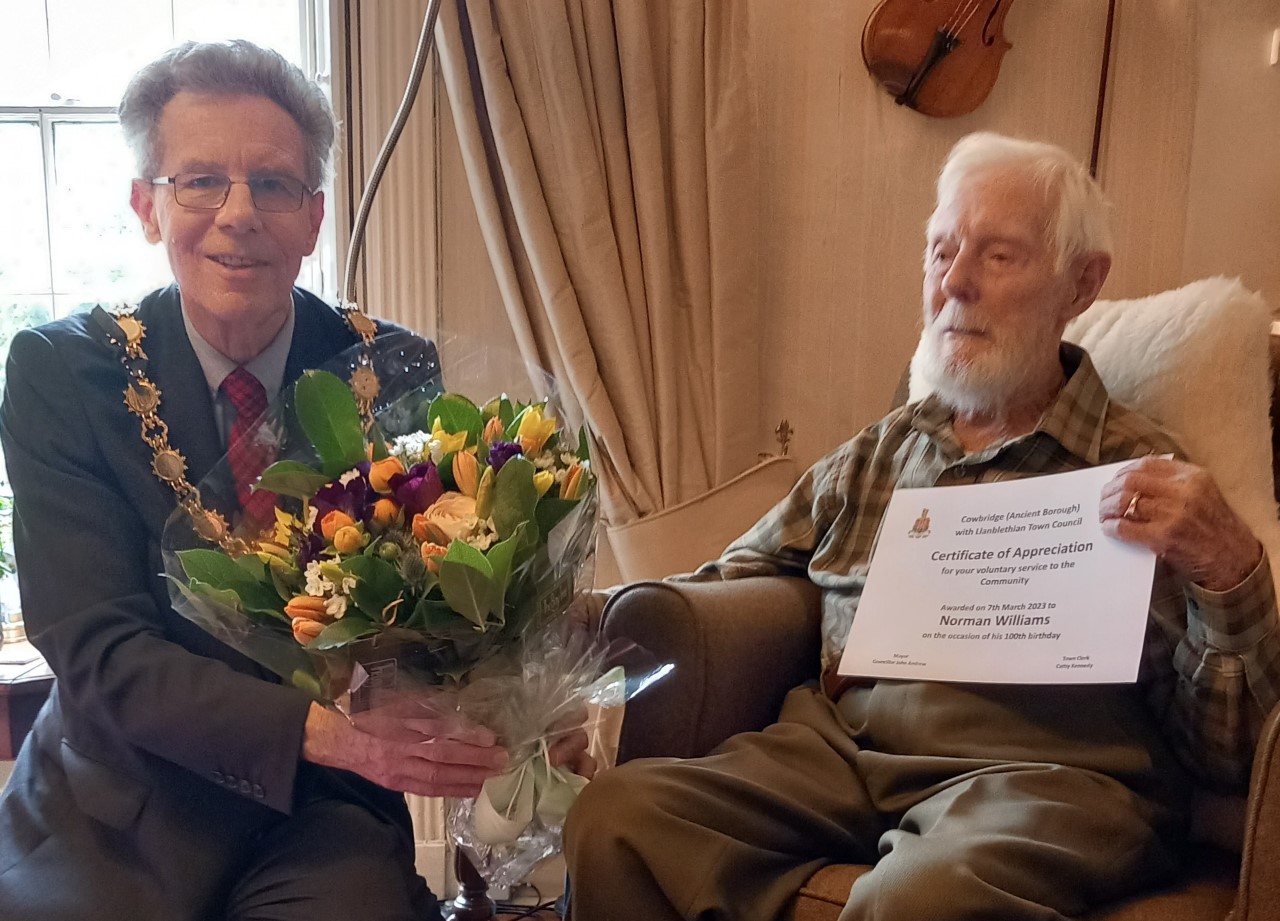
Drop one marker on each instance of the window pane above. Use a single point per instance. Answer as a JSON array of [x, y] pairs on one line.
[[24, 241], [24, 61], [99, 252], [272, 23], [95, 47]]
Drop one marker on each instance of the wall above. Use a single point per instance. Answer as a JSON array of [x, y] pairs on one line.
[[1188, 159]]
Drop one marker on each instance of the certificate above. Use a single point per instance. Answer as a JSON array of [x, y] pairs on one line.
[[1009, 582]]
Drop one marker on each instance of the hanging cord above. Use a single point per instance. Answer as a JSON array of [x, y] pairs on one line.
[[388, 145]]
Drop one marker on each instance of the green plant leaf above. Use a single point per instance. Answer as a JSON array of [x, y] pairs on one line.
[[342, 632], [584, 445], [439, 619], [514, 496], [223, 596], [378, 586], [328, 414], [551, 510], [456, 414], [466, 580], [212, 567], [501, 556], [292, 478], [253, 567]]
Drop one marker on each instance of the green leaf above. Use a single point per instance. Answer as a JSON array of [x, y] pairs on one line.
[[222, 596], [438, 618], [501, 556], [379, 443], [466, 580], [584, 445], [378, 586], [254, 567], [212, 567], [328, 414], [551, 510], [344, 631], [261, 598], [514, 496], [292, 478], [456, 414], [287, 579]]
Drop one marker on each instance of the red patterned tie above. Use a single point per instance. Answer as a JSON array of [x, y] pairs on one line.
[[248, 456]]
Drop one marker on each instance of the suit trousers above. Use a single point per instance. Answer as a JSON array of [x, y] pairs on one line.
[[330, 860], [953, 836]]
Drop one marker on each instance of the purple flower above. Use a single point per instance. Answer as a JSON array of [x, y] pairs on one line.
[[502, 451], [310, 548], [417, 489], [355, 497]]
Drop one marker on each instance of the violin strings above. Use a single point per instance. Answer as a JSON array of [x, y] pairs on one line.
[[960, 18]]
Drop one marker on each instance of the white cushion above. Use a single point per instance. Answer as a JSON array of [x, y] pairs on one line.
[[1197, 361]]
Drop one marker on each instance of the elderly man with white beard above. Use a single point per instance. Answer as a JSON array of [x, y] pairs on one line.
[[973, 801]]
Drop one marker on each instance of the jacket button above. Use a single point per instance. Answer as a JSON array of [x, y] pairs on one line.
[[217, 777], [231, 781], [245, 787], [258, 791]]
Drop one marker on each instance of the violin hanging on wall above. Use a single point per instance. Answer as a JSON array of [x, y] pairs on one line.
[[939, 57]]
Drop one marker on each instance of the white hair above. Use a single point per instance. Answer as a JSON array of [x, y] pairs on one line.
[[1078, 219]]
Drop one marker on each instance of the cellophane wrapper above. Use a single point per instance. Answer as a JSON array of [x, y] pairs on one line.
[[479, 632]]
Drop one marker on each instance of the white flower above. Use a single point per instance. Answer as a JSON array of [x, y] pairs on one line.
[[410, 448], [336, 606], [317, 584]]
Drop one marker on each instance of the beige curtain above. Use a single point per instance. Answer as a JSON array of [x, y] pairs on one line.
[[608, 146]]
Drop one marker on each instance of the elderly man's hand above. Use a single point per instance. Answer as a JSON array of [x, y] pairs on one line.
[[569, 744], [1180, 514]]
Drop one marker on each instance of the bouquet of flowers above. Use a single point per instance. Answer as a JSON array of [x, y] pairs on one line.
[[430, 550]]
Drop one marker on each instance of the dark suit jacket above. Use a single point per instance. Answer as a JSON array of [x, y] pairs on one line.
[[161, 753]]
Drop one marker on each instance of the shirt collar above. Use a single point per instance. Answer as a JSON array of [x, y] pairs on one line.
[[1076, 418], [267, 366]]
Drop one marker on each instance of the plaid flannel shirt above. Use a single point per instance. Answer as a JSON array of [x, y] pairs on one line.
[[1211, 660]]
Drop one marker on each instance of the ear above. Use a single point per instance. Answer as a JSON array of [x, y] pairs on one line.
[[142, 199], [315, 217], [1086, 275]]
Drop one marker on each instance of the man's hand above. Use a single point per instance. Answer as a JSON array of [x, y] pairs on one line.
[[1181, 515], [568, 744], [410, 751]]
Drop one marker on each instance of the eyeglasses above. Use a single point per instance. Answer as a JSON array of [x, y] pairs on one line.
[[207, 191]]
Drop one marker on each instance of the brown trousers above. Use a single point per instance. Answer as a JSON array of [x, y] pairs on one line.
[[973, 802]]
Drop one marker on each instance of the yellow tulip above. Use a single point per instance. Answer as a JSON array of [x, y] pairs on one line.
[[466, 473], [381, 472], [534, 430], [484, 494], [542, 481], [448, 443], [574, 481]]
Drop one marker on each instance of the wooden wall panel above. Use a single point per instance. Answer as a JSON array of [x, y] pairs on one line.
[[848, 185]]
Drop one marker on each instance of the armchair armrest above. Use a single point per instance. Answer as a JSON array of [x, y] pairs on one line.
[[738, 647], [1259, 896]]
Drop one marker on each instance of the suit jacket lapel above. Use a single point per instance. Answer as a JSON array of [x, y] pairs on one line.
[[186, 405]]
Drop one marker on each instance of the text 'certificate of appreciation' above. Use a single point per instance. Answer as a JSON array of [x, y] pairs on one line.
[[1009, 582]]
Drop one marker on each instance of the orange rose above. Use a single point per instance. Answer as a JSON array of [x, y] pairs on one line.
[[334, 520], [449, 517], [381, 472], [348, 540], [385, 512]]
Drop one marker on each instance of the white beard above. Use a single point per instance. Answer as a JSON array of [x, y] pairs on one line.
[[997, 376]]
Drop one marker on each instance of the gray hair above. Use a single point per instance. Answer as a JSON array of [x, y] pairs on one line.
[[1078, 222], [234, 67]]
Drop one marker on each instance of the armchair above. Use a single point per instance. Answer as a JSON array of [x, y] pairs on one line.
[[738, 647], [1202, 369]]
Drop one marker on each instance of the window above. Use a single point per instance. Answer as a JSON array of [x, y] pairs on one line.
[[68, 238]]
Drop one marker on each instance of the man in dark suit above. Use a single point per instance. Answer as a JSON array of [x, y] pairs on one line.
[[168, 777]]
